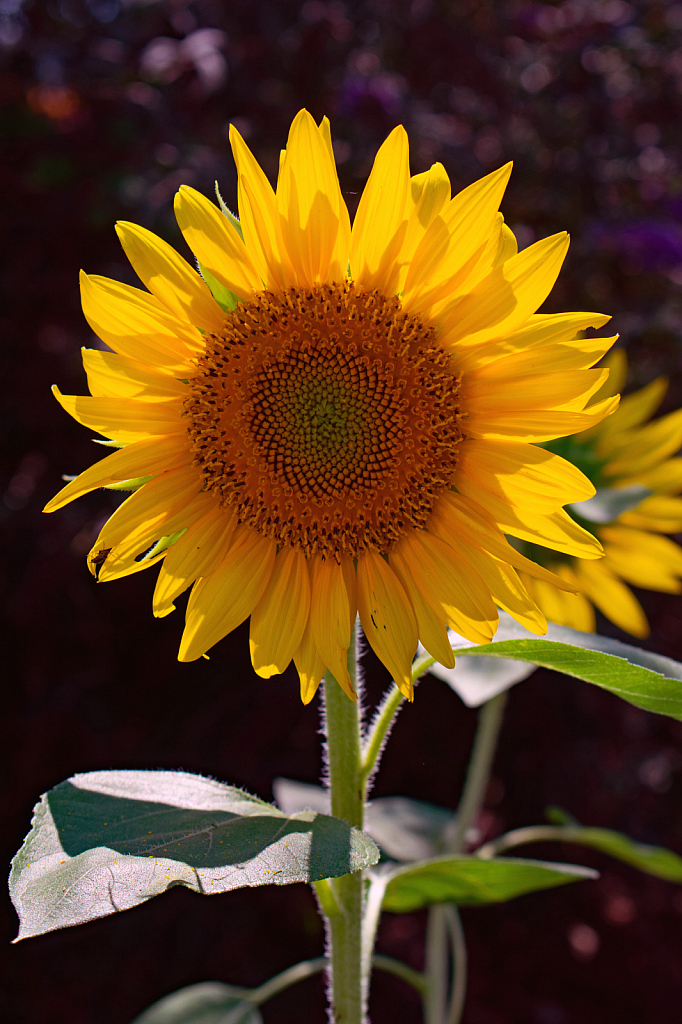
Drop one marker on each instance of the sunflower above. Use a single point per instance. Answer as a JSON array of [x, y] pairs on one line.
[[327, 421], [628, 459]]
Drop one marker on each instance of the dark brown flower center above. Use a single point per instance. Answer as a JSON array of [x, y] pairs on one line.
[[328, 419]]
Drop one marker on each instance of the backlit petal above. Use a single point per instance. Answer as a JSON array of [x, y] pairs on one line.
[[387, 618], [170, 278], [281, 615], [223, 600], [215, 243]]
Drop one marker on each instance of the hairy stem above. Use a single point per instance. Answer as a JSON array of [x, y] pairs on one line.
[[385, 716], [349, 983]]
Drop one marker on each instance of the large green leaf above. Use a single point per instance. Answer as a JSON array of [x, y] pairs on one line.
[[654, 860], [468, 880], [649, 681], [207, 1003], [106, 841]]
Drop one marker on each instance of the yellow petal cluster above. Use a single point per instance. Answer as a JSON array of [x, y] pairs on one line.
[[451, 269], [632, 450]]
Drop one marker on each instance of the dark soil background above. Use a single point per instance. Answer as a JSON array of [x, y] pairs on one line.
[[106, 107]]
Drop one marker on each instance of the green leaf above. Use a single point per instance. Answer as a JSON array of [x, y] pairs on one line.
[[654, 860], [469, 881], [102, 842], [647, 680], [207, 1003], [226, 299], [405, 829]]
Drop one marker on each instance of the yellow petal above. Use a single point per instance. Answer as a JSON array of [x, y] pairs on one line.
[[512, 596], [641, 448], [330, 620], [537, 425], [464, 519], [505, 299], [430, 193], [452, 239], [499, 248], [482, 395], [113, 376], [309, 665], [644, 559], [215, 243], [500, 579], [308, 201], [551, 530], [387, 618], [259, 218], [223, 600], [380, 224], [660, 513], [540, 331], [143, 517], [170, 278], [666, 477], [150, 457], [124, 419], [613, 598], [617, 362], [280, 617], [193, 555], [573, 610], [433, 633], [575, 355], [453, 590], [339, 266], [523, 474], [136, 325], [633, 410]]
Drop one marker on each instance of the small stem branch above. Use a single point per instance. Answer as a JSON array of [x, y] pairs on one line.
[[299, 972], [401, 970], [459, 965], [382, 724], [531, 834], [349, 983], [378, 733], [441, 919], [478, 773]]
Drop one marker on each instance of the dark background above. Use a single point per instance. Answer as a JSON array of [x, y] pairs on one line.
[[106, 108]]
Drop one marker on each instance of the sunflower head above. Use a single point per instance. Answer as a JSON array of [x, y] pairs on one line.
[[325, 421], [628, 459]]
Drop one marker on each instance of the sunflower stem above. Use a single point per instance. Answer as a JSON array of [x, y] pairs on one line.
[[348, 982], [478, 772], [439, 1009]]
